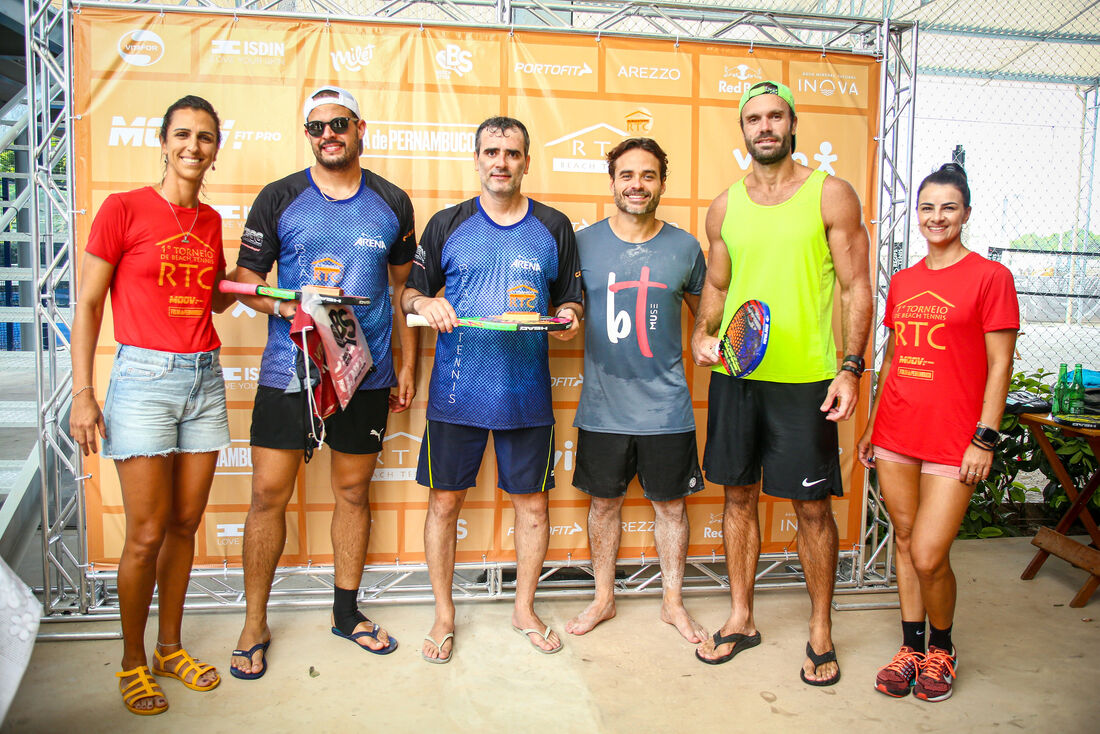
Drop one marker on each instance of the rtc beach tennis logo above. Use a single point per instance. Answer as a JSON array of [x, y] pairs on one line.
[[453, 59], [397, 459], [354, 58], [140, 47], [585, 150]]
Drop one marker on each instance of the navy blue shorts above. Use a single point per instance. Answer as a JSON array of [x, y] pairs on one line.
[[450, 457]]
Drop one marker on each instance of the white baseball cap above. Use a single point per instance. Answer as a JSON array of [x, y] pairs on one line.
[[335, 95]]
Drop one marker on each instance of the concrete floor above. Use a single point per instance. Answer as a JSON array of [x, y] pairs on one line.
[[1028, 662]]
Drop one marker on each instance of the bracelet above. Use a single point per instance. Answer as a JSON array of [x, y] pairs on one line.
[[86, 387], [851, 368], [277, 307], [982, 446]]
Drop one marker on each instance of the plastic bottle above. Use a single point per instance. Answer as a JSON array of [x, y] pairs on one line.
[[1058, 392], [1075, 402]]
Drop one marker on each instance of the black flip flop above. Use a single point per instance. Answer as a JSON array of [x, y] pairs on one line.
[[818, 661], [248, 654], [740, 642]]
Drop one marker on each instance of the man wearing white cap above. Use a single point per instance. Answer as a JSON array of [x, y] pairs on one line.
[[333, 224]]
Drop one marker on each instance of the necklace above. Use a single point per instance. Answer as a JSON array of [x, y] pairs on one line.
[[186, 235]]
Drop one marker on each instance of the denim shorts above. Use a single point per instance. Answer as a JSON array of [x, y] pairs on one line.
[[161, 403]]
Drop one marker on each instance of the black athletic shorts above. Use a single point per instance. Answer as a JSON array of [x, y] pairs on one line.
[[450, 457], [279, 421], [776, 429], [667, 465]]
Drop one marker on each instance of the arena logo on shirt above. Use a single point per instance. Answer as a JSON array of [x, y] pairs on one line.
[[355, 58], [453, 59], [144, 132], [523, 264], [140, 47], [585, 150], [397, 459], [372, 243]]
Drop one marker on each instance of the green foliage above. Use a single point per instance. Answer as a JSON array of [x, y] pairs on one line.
[[997, 503], [1058, 242]]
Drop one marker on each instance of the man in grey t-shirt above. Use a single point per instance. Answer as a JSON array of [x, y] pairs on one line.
[[635, 415]]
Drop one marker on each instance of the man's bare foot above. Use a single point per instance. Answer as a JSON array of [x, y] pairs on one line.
[[678, 617], [439, 630], [379, 641], [247, 641], [709, 651], [528, 620], [821, 644], [592, 615]]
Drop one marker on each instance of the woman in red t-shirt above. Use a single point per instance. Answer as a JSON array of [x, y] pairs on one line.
[[158, 250], [953, 319]]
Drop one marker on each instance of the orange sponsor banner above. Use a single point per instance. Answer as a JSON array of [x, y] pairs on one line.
[[422, 94]]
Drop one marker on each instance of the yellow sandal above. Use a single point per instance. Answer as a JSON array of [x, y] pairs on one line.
[[139, 689], [183, 670]]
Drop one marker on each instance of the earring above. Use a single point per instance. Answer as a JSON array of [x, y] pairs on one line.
[[166, 160], [214, 167]]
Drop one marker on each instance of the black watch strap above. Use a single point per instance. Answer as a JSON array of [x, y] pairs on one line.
[[858, 372], [986, 435], [856, 360]]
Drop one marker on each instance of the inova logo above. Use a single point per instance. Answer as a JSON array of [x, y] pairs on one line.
[[140, 48]]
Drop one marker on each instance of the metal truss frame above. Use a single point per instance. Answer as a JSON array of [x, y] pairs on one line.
[[75, 590]]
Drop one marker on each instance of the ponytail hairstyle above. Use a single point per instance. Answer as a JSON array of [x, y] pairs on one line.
[[949, 174]]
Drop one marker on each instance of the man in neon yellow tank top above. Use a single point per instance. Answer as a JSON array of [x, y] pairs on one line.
[[783, 234]]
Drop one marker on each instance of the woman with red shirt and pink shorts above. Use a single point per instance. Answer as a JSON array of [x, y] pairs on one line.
[[953, 319], [158, 250]]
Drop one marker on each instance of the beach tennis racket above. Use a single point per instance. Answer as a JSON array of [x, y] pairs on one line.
[[504, 322], [250, 289], [746, 339], [1077, 421]]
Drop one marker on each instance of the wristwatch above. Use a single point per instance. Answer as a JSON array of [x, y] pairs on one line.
[[986, 434], [856, 366]]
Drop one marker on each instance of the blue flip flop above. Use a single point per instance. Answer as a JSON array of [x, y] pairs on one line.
[[248, 654], [373, 633]]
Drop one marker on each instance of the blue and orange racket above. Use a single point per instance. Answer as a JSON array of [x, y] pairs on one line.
[[746, 339]]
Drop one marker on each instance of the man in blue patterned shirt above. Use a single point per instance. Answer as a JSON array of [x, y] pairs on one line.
[[497, 252], [335, 224]]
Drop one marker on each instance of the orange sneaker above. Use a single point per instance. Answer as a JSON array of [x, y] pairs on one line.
[[898, 678], [937, 673]]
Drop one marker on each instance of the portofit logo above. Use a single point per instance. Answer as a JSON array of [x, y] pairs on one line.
[[140, 47], [352, 59], [453, 59], [744, 75], [828, 83], [567, 381], [535, 69], [246, 48], [554, 529], [585, 150], [143, 132]]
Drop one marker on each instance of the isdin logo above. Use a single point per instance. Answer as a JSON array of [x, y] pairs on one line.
[[453, 58], [140, 48]]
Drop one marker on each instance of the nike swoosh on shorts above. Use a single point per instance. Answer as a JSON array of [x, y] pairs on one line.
[[806, 483]]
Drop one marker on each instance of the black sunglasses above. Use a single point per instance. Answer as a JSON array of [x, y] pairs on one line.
[[339, 125]]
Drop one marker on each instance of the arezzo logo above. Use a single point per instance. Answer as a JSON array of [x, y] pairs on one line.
[[645, 314], [453, 59], [352, 59], [140, 48]]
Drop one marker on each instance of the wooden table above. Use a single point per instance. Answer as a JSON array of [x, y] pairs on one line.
[[1055, 541]]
